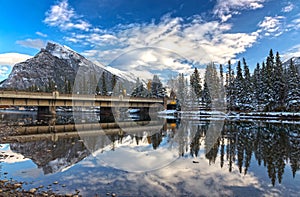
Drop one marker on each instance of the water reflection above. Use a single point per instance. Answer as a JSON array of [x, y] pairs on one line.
[[52, 156], [243, 145]]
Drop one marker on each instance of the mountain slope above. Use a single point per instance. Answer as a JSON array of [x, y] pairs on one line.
[[58, 65], [296, 61]]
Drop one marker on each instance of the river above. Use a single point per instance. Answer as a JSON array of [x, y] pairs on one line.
[[159, 156]]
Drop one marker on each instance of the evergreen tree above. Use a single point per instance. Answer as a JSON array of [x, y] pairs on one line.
[[113, 81], [269, 82], [195, 82], [206, 98], [247, 90], [157, 89], [139, 90], [238, 87], [229, 87], [293, 90], [103, 84], [257, 87], [279, 84], [180, 93], [222, 87], [264, 98], [212, 79]]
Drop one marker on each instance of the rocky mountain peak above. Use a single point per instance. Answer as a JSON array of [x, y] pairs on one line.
[[61, 52], [57, 65]]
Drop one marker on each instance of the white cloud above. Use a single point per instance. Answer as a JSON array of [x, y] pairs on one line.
[[224, 9], [12, 58], [41, 34], [64, 17], [272, 26], [32, 43], [162, 47], [143, 62], [194, 39], [292, 52], [7, 60], [288, 8], [295, 23]]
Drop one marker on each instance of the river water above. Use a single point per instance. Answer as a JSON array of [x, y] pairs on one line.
[[162, 156]]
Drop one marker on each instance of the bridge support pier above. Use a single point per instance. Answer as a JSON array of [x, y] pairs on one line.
[[46, 110], [106, 115]]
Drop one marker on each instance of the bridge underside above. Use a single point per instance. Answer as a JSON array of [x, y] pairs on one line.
[[46, 110], [47, 102]]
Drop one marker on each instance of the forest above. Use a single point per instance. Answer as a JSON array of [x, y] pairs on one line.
[[273, 86]]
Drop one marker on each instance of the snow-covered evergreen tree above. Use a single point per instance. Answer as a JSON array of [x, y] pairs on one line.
[[293, 90], [139, 90], [222, 87], [269, 83], [180, 93], [257, 82], [279, 84], [195, 82], [247, 96], [157, 89], [206, 96], [238, 88], [211, 78], [229, 86]]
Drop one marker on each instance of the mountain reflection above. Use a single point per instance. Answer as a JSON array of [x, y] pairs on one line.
[[52, 156], [237, 143]]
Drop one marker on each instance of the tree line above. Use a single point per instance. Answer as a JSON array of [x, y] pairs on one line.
[[271, 87]]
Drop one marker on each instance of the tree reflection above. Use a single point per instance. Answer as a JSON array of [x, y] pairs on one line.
[[274, 145]]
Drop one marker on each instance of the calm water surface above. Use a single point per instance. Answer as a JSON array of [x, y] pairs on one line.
[[166, 157]]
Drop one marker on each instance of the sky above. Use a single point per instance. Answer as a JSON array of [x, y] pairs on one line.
[[163, 37]]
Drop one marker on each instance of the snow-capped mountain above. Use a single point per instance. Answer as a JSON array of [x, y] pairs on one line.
[[296, 61], [58, 65]]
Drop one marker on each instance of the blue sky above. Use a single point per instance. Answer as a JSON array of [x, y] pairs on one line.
[[146, 37]]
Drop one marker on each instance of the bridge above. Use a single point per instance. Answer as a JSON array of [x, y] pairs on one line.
[[47, 102]]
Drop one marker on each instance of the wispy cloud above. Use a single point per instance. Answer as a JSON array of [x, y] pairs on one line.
[[295, 24], [288, 8], [225, 9], [41, 34], [292, 52], [272, 26], [32, 43], [63, 16]]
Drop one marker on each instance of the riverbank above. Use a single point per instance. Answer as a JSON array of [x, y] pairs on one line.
[[12, 188]]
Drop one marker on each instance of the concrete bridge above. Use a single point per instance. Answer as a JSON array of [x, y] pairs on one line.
[[47, 102]]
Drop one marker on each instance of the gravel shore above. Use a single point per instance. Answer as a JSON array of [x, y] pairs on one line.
[[11, 188]]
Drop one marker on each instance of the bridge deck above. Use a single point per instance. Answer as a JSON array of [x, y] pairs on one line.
[[15, 98]]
